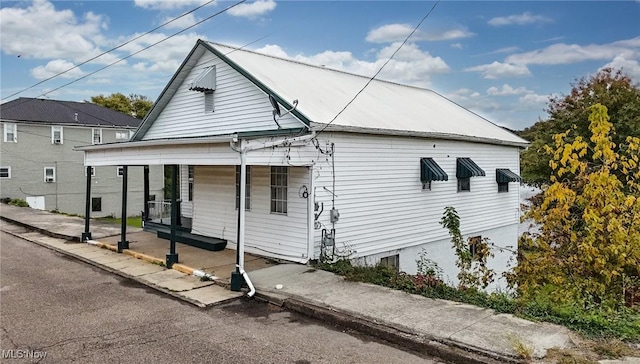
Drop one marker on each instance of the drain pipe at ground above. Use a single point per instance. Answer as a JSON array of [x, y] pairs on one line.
[[241, 209]]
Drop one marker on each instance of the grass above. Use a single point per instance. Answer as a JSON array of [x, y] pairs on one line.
[[524, 350], [134, 221], [623, 324]]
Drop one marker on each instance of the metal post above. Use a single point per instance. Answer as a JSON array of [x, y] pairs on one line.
[[86, 235], [237, 280], [172, 257], [146, 195], [123, 243]]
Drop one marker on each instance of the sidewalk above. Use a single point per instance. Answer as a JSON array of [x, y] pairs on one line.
[[449, 330]]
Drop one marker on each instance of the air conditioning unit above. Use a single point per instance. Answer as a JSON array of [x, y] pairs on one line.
[[57, 141], [48, 179]]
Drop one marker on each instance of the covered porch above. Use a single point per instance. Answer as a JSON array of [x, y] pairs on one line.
[[224, 168]]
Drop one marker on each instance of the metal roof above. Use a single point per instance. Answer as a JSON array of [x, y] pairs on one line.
[[382, 108], [61, 112]]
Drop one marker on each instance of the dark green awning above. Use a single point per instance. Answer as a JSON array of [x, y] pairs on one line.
[[505, 175], [431, 171], [467, 168]]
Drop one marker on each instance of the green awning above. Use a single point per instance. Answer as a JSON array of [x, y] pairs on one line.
[[505, 175], [431, 171], [467, 168]]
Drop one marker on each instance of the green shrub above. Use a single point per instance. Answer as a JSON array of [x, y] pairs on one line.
[[18, 202]]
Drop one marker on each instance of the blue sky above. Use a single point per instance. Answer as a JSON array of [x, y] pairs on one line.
[[500, 59]]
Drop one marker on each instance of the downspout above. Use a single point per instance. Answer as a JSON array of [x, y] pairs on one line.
[[243, 150]]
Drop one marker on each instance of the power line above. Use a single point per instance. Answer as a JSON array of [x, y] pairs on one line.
[[380, 70], [111, 50], [144, 49]]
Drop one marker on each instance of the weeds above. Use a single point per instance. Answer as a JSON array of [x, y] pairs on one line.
[[524, 350]]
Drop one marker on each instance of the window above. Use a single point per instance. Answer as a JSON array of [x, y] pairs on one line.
[[190, 177], [97, 136], [49, 174], [93, 171], [57, 136], [5, 172], [208, 102], [10, 132], [503, 186], [464, 184], [477, 247], [152, 197], [247, 194], [392, 261], [96, 203], [122, 135], [279, 181], [120, 171]]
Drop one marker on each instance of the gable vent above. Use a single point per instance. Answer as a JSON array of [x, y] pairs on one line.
[[206, 81]]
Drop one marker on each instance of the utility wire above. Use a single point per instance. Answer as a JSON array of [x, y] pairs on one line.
[[145, 48], [380, 70], [111, 50]]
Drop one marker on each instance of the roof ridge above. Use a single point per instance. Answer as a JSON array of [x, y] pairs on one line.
[[318, 67]]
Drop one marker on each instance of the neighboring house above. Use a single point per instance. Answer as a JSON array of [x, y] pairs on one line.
[[38, 163], [370, 181]]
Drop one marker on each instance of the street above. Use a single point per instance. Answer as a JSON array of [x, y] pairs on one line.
[[55, 309]]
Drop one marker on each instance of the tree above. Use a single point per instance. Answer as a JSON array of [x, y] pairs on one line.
[[135, 105], [610, 88], [588, 247]]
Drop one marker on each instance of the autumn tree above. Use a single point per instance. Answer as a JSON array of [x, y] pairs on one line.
[[588, 245], [135, 105], [610, 88]]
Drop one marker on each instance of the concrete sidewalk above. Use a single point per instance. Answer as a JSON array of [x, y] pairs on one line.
[[450, 330]]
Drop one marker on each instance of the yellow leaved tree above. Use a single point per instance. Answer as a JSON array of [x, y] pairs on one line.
[[587, 248]]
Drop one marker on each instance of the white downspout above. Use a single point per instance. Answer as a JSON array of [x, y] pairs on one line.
[[243, 180]]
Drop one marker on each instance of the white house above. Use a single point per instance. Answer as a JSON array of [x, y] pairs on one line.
[[326, 173]]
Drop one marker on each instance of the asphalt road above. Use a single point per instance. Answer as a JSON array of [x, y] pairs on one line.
[[59, 310]]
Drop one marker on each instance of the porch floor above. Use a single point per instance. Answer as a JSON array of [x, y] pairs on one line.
[[219, 263]]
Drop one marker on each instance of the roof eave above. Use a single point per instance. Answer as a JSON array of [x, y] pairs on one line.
[[419, 134], [155, 142]]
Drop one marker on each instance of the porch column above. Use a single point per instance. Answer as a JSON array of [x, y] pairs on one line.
[[146, 195], [123, 243], [172, 257], [86, 235], [237, 280]]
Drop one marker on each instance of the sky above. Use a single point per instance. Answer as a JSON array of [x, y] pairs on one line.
[[500, 59]]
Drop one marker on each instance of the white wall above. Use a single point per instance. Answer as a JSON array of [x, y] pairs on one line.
[[381, 201], [239, 106], [267, 234]]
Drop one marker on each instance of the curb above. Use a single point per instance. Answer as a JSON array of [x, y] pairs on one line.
[[441, 348], [75, 239]]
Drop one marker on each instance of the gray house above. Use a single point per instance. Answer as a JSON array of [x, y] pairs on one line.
[[38, 163]]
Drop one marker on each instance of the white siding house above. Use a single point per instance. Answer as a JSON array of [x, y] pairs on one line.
[[314, 169]]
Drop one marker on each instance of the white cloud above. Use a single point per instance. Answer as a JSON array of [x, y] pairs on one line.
[[463, 94], [457, 45], [398, 32], [168, 4], [519, 19], [181, 23], [507, 90], [500, 70], [254, 9], [501, 50], [630, 67], [572, 53], [39, 31], [55, 67], [411, 65], [533, 100], [166, 56]]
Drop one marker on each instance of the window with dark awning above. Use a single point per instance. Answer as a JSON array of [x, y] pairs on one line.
[[206, 81], [467, 168], [505, 175], [431, 171]]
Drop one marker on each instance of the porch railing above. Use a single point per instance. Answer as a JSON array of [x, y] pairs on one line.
[[160, 212]]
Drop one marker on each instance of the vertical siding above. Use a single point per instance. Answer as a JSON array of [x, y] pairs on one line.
[[380, 198], [186, 206], [34, 151], [274, 235], [239, 106]]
